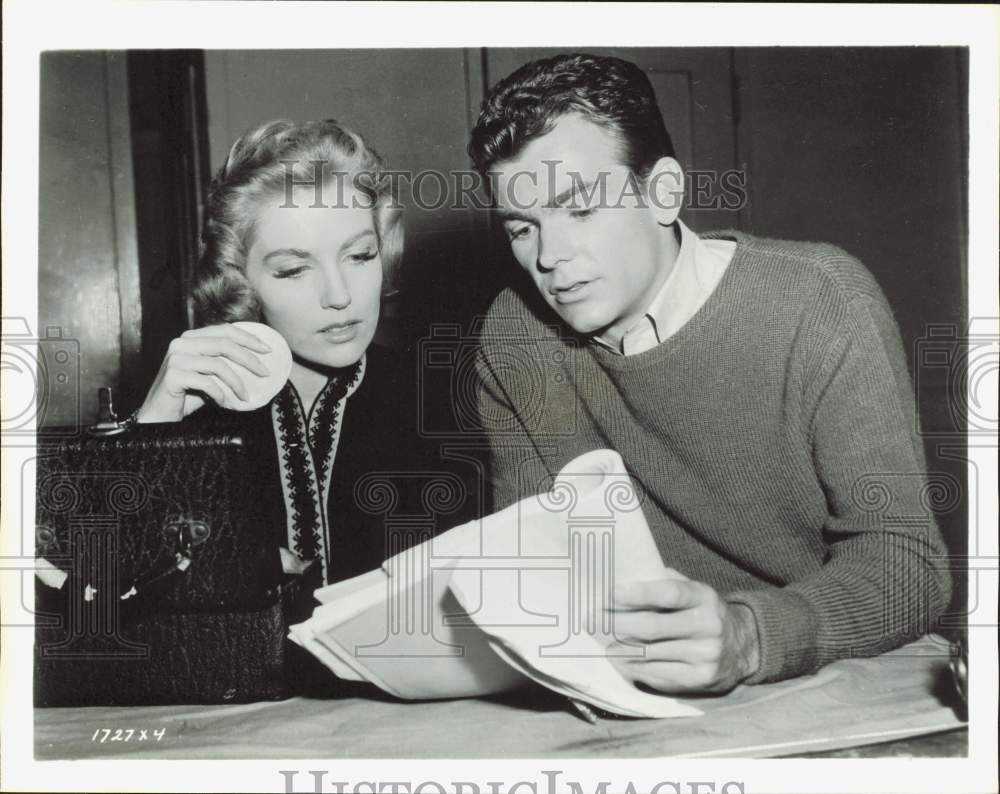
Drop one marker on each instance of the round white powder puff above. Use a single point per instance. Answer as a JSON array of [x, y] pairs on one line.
[[278, 363]]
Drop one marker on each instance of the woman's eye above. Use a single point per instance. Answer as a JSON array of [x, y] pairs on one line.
[[583, 213], [363, 256], [519, 233], [290, 272]]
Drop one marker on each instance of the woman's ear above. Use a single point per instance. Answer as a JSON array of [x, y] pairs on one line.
[[665, 186]]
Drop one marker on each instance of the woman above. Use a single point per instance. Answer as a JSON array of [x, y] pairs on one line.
[[300, 229]]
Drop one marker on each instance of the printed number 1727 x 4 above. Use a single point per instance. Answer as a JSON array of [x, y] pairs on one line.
[[103, 735]]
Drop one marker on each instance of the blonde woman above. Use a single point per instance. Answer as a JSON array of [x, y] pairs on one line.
[[300, 231]]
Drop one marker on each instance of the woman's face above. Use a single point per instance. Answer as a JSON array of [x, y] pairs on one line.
[[318, 274]]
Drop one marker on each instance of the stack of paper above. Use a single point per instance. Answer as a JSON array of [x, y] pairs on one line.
[[522, 594]]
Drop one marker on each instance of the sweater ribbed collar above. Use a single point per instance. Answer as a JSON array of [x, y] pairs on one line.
[[693, 327]]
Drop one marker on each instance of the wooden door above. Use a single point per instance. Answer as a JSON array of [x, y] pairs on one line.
[[88, 277]]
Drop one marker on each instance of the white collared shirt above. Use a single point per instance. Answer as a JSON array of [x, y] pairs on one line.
[[699, 267]]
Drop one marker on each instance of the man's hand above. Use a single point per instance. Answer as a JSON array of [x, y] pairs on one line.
[[690, 639]]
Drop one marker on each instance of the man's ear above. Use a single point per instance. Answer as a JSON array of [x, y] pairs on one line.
[[665, 187]]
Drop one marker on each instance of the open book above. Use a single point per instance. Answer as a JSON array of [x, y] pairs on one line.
[[521, 594]]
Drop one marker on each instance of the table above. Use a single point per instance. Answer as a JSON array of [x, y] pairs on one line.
[[850, 704], [948, 744]]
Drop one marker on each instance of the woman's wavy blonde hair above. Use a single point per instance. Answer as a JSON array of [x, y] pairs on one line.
[[266, 161]]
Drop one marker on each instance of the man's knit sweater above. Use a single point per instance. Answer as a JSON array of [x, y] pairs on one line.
[[773, 437]]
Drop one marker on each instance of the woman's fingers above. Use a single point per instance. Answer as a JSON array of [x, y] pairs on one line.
[[200, 361], [227, 331], [184, 364], [216, 346], [195, 381]]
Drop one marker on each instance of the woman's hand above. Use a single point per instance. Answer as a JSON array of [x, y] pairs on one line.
[[676, 635], [193, 358]]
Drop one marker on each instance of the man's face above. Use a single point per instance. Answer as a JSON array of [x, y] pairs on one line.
[[587, 235]]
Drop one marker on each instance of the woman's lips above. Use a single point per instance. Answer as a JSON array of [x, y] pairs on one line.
[[340, 332]]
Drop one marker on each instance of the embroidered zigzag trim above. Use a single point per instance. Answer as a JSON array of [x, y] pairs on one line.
[[308, 447], [298, 479]]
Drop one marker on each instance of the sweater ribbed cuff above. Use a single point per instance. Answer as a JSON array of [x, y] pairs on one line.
[[786, 632]]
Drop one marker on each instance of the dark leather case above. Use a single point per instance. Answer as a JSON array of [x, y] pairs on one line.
[[173, 588]]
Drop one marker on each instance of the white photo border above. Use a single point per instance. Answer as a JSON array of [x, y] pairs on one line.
[[32, 27]]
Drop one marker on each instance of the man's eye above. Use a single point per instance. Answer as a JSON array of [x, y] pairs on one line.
[[290, 272], [583, 213]]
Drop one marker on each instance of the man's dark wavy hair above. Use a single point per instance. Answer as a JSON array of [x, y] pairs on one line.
[[612, 93]]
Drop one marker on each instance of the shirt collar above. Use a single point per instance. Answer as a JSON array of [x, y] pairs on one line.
[[681, 289]]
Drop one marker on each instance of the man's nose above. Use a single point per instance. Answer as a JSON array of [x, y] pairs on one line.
[[335, 294], [554, 246]]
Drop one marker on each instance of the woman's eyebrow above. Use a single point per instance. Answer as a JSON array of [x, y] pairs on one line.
[[507, 215], [355, 237], [278, 253]]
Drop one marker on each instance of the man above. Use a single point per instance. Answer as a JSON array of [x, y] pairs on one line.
[[756, 389]]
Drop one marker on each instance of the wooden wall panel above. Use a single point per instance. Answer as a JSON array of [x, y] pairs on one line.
[[414, 107], [865, 148], [86, 243]]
